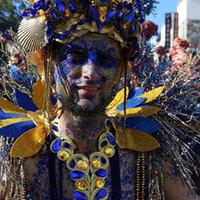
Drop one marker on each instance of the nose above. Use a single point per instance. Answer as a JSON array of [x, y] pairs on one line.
[[90, 71]]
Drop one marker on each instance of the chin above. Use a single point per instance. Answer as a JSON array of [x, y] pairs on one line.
[[86, 104]]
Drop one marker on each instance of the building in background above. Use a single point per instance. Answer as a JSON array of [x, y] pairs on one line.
[[169, 31], [189, 21], [185, 23]]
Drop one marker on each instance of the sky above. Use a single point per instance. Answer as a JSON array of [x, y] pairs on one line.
[[163, 7]]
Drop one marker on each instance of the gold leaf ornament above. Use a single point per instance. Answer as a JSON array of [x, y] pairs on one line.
[[29, 143], [118, 99], [135, 140], [152, 94]]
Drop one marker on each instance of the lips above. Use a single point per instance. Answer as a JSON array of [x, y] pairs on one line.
[[88, 89]]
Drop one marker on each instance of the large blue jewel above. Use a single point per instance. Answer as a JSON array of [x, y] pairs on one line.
[[101, 194], [101, 173], [56, 145], [111, 138], [79, 196], [77, 174]]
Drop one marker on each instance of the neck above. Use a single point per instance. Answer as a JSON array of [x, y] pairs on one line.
[[84, 131]]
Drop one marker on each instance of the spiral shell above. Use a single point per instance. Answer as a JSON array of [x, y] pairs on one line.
[[31, 34]]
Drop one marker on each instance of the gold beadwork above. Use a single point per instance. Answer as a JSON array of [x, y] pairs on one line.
[[99, 183], [102, 12], [81, 185], [81, 164], [96, 163], [108, 151], [63, 155]]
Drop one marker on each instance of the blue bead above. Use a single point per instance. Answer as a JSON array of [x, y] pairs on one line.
[[104, 143], [101, 173], [79, 196], [101, 194], [111, 138], [55, 128], [72, 164], [56, 145], [103, 160], [77, 175], [66, 145]]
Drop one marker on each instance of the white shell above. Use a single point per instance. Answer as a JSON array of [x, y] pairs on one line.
[[31, 34]]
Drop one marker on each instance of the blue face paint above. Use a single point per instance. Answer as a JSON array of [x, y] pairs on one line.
[[88, 63]]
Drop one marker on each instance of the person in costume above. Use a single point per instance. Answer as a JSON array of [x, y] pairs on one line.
[[102, 139]]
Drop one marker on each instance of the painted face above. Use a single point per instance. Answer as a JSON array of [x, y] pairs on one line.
[[88, 68]]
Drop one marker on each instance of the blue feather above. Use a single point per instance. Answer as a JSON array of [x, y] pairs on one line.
[[132, 103], [4, 115], [110, 15], [141, 123], [24, 101], [17, 129]]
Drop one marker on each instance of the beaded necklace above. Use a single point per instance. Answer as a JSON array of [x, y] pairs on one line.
[[88, 173]]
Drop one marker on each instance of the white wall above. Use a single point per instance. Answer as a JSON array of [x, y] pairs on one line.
[[193, 9], [182, 10]]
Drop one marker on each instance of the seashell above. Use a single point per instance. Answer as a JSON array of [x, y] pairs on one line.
[[31, 34]]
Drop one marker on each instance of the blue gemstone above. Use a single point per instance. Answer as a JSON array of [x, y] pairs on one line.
[[77, 174], [104, 143], [56, 145], [72, 164], [103, 160], [55, 128], [101, 194], [66, 145], [79, 196], [101, 173], [111, 138]]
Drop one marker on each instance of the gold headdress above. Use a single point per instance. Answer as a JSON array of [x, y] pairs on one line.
[[63, 20]]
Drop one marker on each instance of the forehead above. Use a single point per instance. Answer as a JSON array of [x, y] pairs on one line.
[[96, 42]]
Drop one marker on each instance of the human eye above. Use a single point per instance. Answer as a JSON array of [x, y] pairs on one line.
[[77, 57], [108, 61]]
